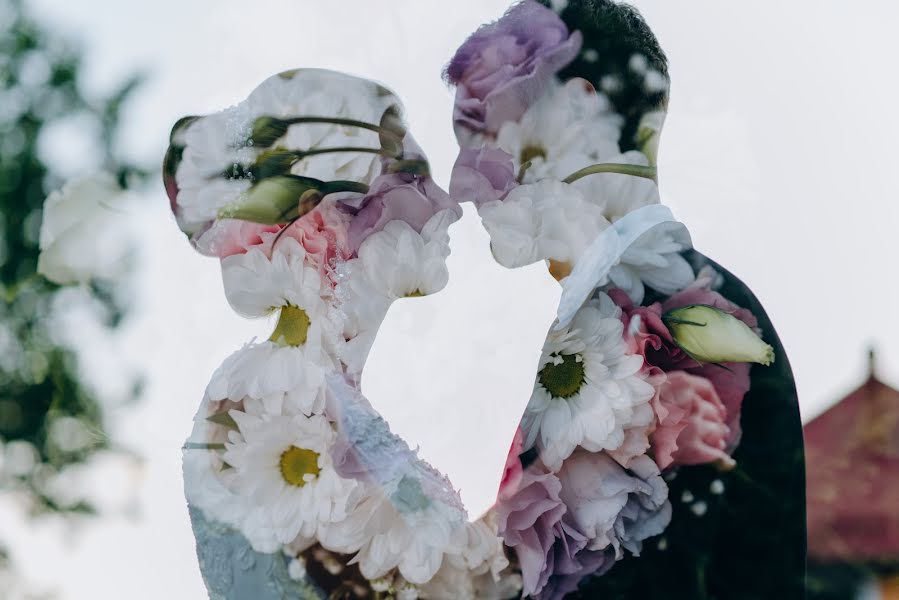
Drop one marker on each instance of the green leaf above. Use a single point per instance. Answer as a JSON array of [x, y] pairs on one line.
[[224, 419]]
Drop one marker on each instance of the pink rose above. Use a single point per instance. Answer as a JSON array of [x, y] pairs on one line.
[[512, 473], [731, 384], [227, 237], [323, 234], [692, 425], [648, 336]]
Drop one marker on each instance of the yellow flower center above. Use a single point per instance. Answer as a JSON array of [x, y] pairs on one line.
[[292, 328], [297, 463], [563, 380], [559, 269], [415, 294], [530, 153]]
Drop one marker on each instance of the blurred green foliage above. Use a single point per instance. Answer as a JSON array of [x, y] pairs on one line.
[[50, 419]]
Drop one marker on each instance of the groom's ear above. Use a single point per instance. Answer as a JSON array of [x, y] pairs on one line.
[[621, 57]]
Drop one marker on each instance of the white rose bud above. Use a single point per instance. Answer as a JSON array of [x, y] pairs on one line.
[[711, 335], [83, 231]]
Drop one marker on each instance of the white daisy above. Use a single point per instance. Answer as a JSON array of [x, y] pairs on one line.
[[588, 388], [547, 220], [209, 484], [215, 143], [394, 263], [570, 127], [257, 284], [282, 465], [398, 527]]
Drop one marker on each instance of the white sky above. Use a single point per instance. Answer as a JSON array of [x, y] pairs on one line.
[[778, 154]]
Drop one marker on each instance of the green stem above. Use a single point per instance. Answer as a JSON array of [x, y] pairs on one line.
[[313, 151], [199, 446], [341, 185], [522, 170], [623, 169]]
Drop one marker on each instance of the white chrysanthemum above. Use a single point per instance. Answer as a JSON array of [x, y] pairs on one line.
[[214, 144], [618, 194], [257, 284], [588, 388], [480, 571], [285, 379], [396, 528], [654, 259], [209, 484], [555, 221], [396, 262], [282, 465], [572, 126], [84, 233], [547, 220], [204, 487]]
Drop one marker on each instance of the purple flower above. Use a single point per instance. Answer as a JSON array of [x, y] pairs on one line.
[[567, 526], [505, 66], [397, 196], [482, 175], [530, 522], [614, 506]]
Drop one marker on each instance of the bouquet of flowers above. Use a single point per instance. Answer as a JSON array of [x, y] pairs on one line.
[[636, 450]]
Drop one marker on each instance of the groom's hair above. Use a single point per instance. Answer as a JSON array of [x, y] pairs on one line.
[[614, 34]]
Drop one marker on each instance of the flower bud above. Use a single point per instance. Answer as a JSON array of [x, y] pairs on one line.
[[711, 335], [267, 130], [271, 201], [392, 132], [273, 162], [648, 133]]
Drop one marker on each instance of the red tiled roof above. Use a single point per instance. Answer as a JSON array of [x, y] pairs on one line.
[[852, 468]]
